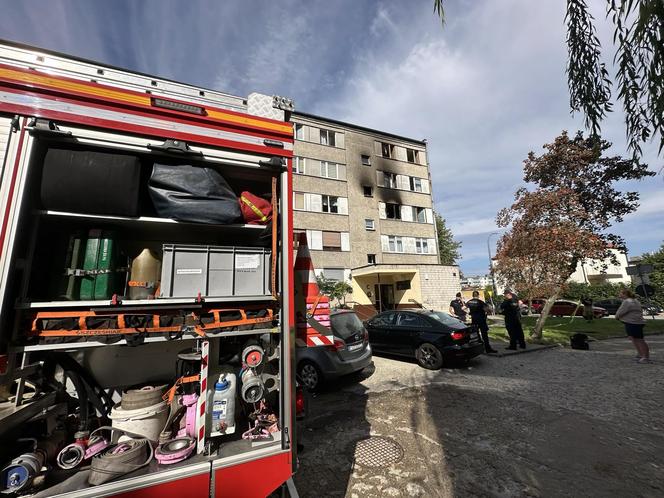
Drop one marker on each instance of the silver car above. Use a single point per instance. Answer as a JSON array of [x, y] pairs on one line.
[[350, 353]]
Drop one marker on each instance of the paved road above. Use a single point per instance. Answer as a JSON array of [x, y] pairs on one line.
[[556, 422]]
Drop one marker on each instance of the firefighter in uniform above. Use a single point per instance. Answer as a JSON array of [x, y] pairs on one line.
[[478, 314], [512, 311]]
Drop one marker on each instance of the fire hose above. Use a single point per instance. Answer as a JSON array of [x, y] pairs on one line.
[[120, 458], [175, 450]]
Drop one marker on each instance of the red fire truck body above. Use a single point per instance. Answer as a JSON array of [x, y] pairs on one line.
[[49, 101]]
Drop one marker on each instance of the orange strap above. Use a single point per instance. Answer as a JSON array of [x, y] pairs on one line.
[[170, 394]]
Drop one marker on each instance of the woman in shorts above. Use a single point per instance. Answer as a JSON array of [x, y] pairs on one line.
[[631, 314]]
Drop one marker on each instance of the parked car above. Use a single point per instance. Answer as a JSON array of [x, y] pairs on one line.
[[564, 307], [535, 306], [652, 309], [610, 305], [431, 337], [350, 353]]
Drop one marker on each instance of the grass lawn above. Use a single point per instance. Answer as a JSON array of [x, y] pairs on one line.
[[558, 330]]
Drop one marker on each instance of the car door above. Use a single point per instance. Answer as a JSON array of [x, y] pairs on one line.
[[406, 332], [379, 328]]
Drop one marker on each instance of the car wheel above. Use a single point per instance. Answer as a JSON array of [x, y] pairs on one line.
[[429, 356], [310, 375]]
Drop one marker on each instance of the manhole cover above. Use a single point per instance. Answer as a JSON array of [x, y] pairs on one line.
[[377, 452]]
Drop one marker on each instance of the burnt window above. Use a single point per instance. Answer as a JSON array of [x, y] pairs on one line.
[[393, 211], [368, 191]]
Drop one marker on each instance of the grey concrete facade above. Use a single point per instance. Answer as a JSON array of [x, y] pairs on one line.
[[380, 187]]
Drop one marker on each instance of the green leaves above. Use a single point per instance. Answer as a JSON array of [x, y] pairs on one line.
[[448, 248]]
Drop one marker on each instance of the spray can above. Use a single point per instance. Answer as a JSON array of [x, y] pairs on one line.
[[223, 405]]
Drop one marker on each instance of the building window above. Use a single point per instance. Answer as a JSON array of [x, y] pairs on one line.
[[334, 274], [393, 211], [298, 201], [390, 180], [329, 170], [412, 155], [299, 131], [387, 150], [369, 224], [327, 137], [395, 243], [366, 160], [330, 204], [371, 259], [416, 184], [403, 285], [368, 191], [298, 165], [419, 214], [331, 241], [421, 246]]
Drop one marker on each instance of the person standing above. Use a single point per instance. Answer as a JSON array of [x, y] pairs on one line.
[[631, 314], [512, 311], [587, 308], [458, 308], [478, 315]]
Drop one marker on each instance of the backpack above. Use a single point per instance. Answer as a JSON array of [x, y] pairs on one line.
[[579, 341]]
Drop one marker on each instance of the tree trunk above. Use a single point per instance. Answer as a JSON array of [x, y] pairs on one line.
[[539, 326]]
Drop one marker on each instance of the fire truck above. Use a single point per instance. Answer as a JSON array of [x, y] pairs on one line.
[[147, 293]]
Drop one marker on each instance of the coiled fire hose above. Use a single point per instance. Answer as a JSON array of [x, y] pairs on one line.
[[175, 450], [120, 458]]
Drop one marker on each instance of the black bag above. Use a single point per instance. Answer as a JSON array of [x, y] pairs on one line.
[[90, 182], [579, 341], [195, 194]]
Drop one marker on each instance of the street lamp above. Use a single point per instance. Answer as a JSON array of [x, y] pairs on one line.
[[493, 279]]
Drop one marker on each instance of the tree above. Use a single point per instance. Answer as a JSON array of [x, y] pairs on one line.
[[564, 219], [448, 248], [639, 66], [656, 259], [334, 289]]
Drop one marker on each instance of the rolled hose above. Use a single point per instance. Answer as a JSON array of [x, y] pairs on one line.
[[175, 450], [119, 459]]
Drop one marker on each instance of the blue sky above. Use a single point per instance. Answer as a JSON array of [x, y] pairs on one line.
[[483, 91]]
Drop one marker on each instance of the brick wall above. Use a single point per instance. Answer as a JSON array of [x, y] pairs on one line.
[[439, 285]]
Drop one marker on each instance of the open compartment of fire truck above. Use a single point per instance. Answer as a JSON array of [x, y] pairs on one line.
[[121, 378]]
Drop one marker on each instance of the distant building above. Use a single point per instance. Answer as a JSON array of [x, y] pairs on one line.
[[592, 272], [476, 281]]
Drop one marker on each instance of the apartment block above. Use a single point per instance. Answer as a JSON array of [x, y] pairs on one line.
[[364, 199]]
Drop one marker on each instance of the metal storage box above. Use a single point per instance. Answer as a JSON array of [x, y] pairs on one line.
[[214, 271]]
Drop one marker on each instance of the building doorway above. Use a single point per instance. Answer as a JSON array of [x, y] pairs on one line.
[[384, 297]]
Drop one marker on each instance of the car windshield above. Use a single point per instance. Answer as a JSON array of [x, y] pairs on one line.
[[345, 325], [446, 319]]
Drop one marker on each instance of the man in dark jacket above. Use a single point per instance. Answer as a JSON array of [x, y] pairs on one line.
[[512, 311], [458, 308], [478, 315]]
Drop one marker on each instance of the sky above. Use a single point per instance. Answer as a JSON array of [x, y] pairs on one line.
[[484, 90]]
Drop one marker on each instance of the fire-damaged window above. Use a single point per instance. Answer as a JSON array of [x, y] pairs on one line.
[[393, 211], [366, 160], [412, 155], [387, 150], [330, 204], [368, 191], [327, 137], [390, 180]]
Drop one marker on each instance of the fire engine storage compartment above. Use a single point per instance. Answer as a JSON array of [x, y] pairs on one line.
[[41, 249]]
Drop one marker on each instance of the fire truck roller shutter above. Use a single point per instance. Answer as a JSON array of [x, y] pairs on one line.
[[91, 182]]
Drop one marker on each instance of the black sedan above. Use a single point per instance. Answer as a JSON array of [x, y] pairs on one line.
[[432, 337]]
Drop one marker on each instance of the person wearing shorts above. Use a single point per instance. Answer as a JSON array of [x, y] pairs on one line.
[[631, 314]]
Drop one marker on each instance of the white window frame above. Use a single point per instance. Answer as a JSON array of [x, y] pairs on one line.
[[421, 245], [298, 131], [370, 257], [304, 201], [326, 167], [299, 165], [395, 243], [330, 138], [368, 162], [369, 224], [416, 214], [396, 211], [416, 184], [389, 180], [415, 153], [327, 201], [390, 150]]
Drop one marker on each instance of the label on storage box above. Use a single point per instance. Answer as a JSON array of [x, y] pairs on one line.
[[247, 261], [189, 271]]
